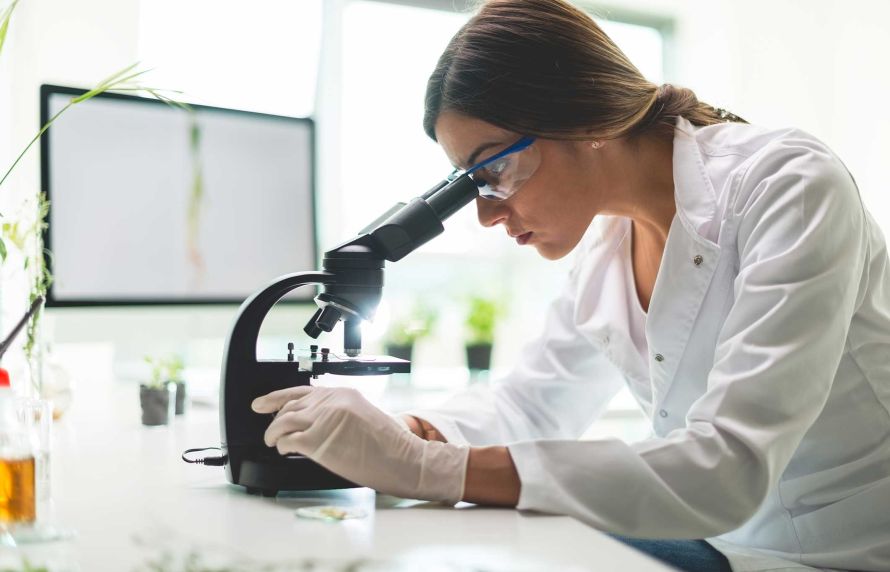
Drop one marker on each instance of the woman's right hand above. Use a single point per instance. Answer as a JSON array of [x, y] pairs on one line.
[[491, 476], [423, 429]]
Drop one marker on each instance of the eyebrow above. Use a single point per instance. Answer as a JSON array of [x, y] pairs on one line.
[[472, 159]]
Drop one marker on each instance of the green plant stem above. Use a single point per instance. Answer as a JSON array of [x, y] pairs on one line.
[[197, 191], [42, 278], [34, 140]]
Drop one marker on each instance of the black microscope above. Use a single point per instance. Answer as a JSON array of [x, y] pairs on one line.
[[352, 285]]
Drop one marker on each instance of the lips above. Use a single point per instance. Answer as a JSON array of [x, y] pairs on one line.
[[521, 237]]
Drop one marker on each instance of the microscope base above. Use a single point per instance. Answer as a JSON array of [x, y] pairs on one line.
[[268, 476]]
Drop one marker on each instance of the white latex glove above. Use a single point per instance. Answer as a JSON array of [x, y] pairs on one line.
[[340, 430], [398, 418]]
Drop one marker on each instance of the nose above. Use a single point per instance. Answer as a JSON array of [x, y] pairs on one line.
[[491, 213]]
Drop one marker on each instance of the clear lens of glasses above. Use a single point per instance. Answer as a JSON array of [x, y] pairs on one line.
[[502, 178]]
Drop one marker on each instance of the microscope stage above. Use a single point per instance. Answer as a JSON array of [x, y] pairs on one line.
[[362, 365]]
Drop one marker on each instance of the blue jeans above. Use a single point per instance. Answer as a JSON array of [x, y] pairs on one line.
[[688, 555]]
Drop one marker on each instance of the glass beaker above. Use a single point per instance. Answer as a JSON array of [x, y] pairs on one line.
[[36, 416], [18, 499]]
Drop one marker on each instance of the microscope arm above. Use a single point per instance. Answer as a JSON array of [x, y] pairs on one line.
[[242, 340]]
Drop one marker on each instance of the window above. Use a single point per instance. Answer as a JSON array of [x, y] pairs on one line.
[[388, 52], [643, 45], [261, 57]]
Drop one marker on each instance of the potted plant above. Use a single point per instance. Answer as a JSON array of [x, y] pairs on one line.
[[174, 366], [158, 396], [404, 331], [480, 324]]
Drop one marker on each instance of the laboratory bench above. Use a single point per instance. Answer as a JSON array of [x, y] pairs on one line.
[[128, 502]]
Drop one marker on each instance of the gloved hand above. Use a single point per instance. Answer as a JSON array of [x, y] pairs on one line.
[[340, 430]]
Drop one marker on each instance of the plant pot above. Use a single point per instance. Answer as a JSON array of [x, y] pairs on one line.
[[401, 352], [180, 397], [158, 404], [479, 356]]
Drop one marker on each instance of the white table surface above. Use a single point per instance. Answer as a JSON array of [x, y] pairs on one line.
[[131, 501]]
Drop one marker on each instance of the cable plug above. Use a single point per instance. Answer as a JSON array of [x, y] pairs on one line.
[[218, 461]]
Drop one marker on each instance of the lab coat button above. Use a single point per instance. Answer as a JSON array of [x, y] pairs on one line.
[[698, 260], [659, 357], [663, 413]]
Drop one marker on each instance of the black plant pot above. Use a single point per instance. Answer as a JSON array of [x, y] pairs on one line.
[[399, 351], [180, 397], [479, 356], [158, 404]]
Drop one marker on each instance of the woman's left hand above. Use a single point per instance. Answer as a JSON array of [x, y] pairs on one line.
[[340, 430]]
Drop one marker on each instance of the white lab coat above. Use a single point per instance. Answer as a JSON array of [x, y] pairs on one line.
[[768, 377]]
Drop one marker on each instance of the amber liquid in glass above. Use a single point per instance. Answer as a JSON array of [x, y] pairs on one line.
[[17, 501]]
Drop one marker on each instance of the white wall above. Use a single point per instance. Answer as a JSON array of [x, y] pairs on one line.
[[50, 41], [59, 41], [823, 66], [817, 64], [820, 65]]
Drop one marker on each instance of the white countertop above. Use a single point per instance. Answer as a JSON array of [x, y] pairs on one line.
[[130, 499]]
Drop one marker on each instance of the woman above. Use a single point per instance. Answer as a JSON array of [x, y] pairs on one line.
[[727, 273]]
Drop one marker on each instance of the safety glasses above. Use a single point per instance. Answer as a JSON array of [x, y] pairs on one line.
[[501, 175]]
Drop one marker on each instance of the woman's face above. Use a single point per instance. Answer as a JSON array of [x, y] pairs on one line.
[[552, 209]]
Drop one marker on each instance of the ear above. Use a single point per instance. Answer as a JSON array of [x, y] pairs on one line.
[[596, 143]]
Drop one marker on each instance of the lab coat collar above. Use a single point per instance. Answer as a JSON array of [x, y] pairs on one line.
[[687, 267], [693, 191]]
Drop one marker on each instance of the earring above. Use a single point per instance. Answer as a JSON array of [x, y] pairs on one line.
[[596, 144]]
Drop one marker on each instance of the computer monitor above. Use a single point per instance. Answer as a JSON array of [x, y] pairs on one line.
[[153, 204]]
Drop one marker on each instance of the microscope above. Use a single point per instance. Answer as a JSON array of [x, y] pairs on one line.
[[352, 285]]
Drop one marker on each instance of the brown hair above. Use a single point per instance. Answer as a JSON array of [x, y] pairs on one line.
[[545, 68]]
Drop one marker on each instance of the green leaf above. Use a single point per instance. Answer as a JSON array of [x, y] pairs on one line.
[[161, 97], [110, 80], [3, 252], [34, 140], [481, 319], [5, 17]]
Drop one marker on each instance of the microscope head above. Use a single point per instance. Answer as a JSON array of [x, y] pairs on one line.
[[356, 267], [351, 294]]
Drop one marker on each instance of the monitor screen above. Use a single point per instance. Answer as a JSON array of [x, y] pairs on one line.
[[153, 204]]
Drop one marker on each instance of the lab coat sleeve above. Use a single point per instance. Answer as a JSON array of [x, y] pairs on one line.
[[560, 385], [801, 240]]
